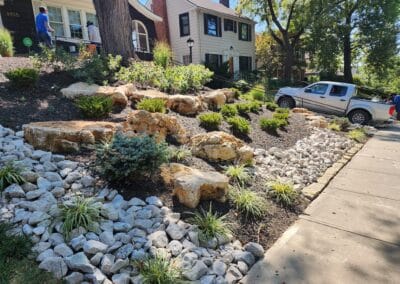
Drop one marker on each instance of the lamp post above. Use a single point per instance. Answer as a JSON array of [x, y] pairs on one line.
[[190, 43]]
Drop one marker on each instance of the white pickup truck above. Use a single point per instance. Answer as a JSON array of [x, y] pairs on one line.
[[335, 98]]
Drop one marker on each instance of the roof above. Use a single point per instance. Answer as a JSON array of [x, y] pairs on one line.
[[144, 11], [336, 83], [217, 7]]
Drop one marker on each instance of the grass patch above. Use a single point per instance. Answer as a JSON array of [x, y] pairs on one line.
[[10, 174], [95, 106], [239, 125], [152, 105], [238, 173], [283, 193], [249, 203], [210, 120], [159, 270], [358, 135]]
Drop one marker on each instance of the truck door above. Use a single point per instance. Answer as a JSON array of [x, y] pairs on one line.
[[337, 99], [313, 96]]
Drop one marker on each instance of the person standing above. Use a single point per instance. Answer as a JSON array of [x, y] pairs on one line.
[[43, 28], [396, 102], [94, 35]]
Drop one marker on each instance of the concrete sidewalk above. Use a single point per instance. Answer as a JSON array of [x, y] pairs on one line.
[[351, 232]]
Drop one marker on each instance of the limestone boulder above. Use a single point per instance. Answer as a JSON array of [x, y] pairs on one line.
[[191, 186], [214, 99], [185, 105], [229, 94], [300, 110], [220, 146], [67, 136], [79, 89], [158, 125], [138, 95], [317, 121]]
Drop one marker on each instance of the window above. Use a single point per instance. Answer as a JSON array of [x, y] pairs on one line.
[[92, 18], [319, 89], [230, 25], [212, 25], [75, 24], [184, 25], [186, 59], [140, 37], [213, 61], [338, 91], [244, 32], [56, 20], [245, 63]]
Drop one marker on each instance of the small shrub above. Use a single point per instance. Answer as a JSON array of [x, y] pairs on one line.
[[239, 125], [6, 43], [357, 135], [242, 85], [210, 120], [162, 54], [159, 270], [98, 69], [282, 110], [271, 106], [210, 225], [127, 158], [57, 59], [79, 212], [143, 73], [229, 110], [238, 173], [281, 116], [10, 174], [152, 105], [334, 126], [257, 94], [243, 108], [248, 202], [283, 193], [95, 106], [270, 125], [255, 106], [343, 123], [23, 78], [180, 154]]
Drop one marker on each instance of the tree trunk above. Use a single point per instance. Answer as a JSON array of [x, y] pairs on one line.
[[288, 62], [347, 59], [115, 26]]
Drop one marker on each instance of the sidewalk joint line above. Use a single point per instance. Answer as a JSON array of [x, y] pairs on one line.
[[364, 193], [375, 157]]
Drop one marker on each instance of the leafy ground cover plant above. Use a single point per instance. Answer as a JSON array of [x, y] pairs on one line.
[[159, 270], [239, 125], [211, 120], [79, 212], [152, 105], [229, 110], [358, 135], [23, 78], [128, 158], [6, 43], [238, 173], [248, 202], [95, 106], [282, 193], [210, 225], [10, 174]]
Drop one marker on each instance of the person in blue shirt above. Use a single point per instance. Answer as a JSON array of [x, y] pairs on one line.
[[43, 28], [396, 102]]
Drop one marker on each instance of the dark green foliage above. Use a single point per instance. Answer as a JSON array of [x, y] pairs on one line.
[[210, 120], [270, 124], [271, 106], [23, 78], [152, 105], [98, 69], [128, 158], [95, 106], [239, 125], [229, 110], [10, 174], [159, 270], [242, 86]]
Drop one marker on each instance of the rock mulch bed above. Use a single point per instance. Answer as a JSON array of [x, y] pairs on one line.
[[130, 230]]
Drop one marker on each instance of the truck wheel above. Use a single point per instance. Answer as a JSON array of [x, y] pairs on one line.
[[286, 102], [359, 116]]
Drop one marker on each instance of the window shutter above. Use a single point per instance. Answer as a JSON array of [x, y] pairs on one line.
[[250, 27], [234, 26], [207, 58], [240, 31], [205, 24], [219, 27], [220, 60]]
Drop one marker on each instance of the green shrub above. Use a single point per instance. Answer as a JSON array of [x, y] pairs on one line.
[[152, 105], [257, 93], [9, 174], [162, 54], [243, 108], [343, 123], [179, 154], [57, 59], [238, 173], [229, 110], [248, 202], [210, 225], [242, 85], [281, 116], [143, 73], [159, 270], [79, 212], [98, 69], [239, 125], [95, 106], [6, 43], [23, 78], [126, 158], [271, 106], [358, 135], [282, 110], [283, 193], [255, 106], [270, 124], [211, 120]]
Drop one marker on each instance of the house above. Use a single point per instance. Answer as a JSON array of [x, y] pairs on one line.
[[69, 17], [219, 33]]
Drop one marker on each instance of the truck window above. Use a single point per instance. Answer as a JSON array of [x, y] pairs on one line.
[[319, 89], [338, 91]]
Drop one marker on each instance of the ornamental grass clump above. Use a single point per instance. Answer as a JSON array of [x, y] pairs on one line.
[[211, 120], [162, 54], [159, 270], [238, 174], [179, 154], [358, 135], [334, 126], [6, 43], [248, 202], [79, 212], [152, 105], [239, 125], [130, 158], [343, 123], [210, 225], [229, 110], [10, 174], [282, 193], [95, 106]]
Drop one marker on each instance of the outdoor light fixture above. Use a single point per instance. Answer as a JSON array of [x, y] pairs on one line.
[[190, 43]]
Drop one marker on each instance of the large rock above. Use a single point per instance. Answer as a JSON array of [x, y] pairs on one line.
[[317, 121], [214, 99], [156, 124], [79, 89], [138, 95], [192, 185], [229, 94], [55, 265], [185, 104], [79, 262], [67, 136], [220, 146]]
